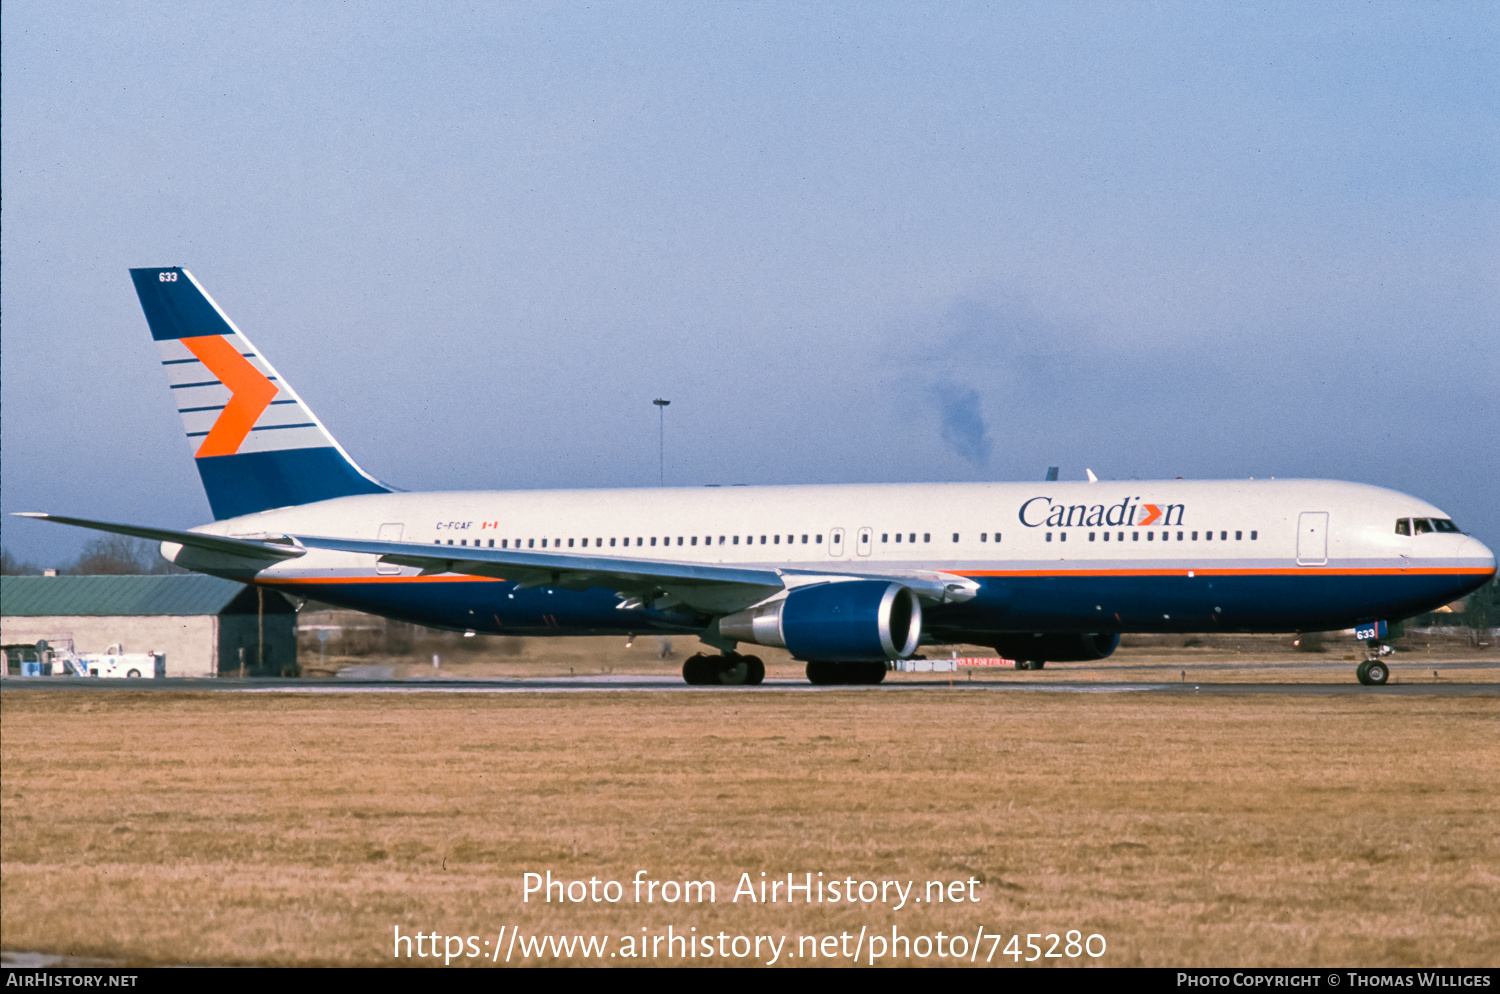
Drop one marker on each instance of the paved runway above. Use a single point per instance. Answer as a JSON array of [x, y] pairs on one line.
[[664, 684]]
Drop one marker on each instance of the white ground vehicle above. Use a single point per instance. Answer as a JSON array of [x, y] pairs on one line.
[[116, 663]]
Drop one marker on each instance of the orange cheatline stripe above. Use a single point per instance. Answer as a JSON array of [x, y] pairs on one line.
[[1196, 571], [460, 578], [251, 393]]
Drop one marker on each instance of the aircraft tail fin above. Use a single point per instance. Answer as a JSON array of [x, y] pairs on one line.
[[255, 443]]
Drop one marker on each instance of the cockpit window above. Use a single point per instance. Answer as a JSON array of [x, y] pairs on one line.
[[1403, 526], [1421, 526], [1444, 525]]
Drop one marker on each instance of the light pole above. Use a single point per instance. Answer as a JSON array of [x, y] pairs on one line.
[[661, 441]]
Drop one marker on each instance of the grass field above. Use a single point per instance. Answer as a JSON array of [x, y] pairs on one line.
[[300, 829]]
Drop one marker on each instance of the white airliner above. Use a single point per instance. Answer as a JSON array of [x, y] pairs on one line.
[[846, 578]]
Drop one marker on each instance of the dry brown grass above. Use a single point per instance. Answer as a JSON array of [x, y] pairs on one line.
[[278, 828]]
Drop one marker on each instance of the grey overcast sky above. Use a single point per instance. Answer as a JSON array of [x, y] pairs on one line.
[[851, 243]]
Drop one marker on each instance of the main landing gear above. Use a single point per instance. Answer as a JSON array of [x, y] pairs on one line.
[[833, 674], [729, 670], [1030, 664]]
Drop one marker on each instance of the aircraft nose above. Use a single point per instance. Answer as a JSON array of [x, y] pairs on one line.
[[1476, 552]]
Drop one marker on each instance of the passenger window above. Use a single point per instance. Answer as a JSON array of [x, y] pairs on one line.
[[762, 540], [927, 536], [913, 537], [1179, 536], [503, 543], [898, 536], [1238, 536], [885, 537], [997, 536], [1421, 526], [955, 536], [1120, 537], [804, 539], [1254, 536], [1062, 536], [612, 543], [1049, 536], [653, 541], [570, 543], [1195, 536], [492, 544], [679, 539], [721, 539], [531, 543], [776, 539], [736, 540], [1223, 536], [984, 536], [1208, 536], [695, 540], [1135, 536], [1091, 536], [1106, 536], [1150, 537], [817, 539]]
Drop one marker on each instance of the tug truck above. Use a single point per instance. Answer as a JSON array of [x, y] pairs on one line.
[[115, 663]]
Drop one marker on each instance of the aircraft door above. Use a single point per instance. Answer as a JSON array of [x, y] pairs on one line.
[[1312, 538], [863, 548], [836, 542], [389, 533]]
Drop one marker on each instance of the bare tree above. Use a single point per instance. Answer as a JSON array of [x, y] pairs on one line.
[[113, 555], [11, 566]]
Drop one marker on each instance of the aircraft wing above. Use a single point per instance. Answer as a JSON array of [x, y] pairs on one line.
[[711, 586]]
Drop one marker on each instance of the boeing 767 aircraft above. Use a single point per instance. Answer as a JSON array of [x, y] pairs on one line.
[[846, 578]]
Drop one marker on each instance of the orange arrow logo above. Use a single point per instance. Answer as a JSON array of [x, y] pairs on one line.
[[250, 394], [1155, 513]]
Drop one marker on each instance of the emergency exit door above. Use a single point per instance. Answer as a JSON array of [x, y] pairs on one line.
[[1312, 538]]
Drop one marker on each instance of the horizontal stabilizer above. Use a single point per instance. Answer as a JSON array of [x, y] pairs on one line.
[[264, 552]]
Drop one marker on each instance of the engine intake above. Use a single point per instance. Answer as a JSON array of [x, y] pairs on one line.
[[849, 621]]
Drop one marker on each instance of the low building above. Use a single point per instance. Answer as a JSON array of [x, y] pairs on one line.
[[206, 626]]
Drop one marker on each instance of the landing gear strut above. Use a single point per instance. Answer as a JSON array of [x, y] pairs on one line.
[[729, 670], [825, 674]]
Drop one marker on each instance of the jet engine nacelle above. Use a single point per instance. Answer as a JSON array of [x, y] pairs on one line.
[[847, 622], [1057, 647]]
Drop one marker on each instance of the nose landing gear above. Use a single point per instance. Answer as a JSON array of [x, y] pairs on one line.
[[729, 670], [1373, 672]]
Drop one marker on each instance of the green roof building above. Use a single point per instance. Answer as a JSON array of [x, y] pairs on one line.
[[206, 626]]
